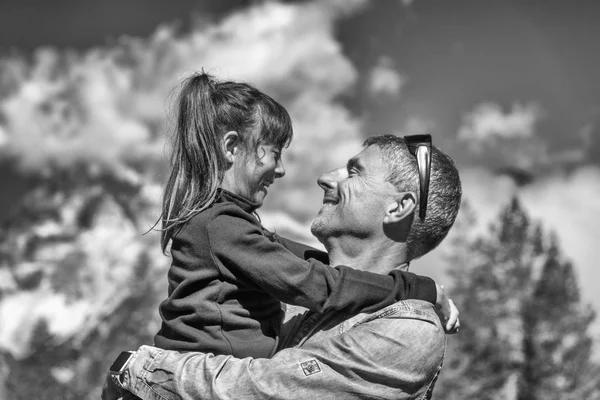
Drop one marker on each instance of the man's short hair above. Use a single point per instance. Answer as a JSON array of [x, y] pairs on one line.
[[444, 196]]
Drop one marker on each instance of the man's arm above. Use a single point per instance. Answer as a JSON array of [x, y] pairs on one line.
[[397, 356]]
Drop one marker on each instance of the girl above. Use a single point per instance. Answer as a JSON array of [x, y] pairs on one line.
[[229, 275]]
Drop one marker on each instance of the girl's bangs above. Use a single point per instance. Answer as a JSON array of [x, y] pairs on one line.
[[276, 126]]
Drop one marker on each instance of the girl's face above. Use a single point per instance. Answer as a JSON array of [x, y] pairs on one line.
[[256, 171]]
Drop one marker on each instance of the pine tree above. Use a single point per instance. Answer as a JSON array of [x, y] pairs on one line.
[[524, 332], [556, 338]]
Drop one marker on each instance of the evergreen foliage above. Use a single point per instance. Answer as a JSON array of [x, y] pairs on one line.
[[524, 331]]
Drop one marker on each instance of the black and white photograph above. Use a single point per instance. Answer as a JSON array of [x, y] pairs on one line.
[[299, 199]]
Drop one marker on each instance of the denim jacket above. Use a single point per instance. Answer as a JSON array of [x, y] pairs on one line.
[[395, 353]]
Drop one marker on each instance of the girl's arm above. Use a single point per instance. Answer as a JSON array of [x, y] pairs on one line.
[[300, 249], [239, 247]]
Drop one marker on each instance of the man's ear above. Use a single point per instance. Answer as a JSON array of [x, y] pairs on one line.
[[231, 145], [401, 209]]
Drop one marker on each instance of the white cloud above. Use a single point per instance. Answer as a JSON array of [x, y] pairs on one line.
[[501, 139], [487, 120], [76, 116], [3, 137], [498, 139], [384, 79]]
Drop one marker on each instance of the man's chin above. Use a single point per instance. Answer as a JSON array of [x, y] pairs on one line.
[[318, 227]]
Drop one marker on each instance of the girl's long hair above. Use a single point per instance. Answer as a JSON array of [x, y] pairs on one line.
[[206, 110]]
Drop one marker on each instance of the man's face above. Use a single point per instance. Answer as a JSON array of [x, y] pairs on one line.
[[355, 198]]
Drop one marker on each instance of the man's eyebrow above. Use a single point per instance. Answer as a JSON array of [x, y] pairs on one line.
[[354, 163]]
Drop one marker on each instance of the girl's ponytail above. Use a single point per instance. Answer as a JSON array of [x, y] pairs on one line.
[[197, 162]]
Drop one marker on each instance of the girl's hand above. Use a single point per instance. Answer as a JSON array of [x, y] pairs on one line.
[[447, 311]]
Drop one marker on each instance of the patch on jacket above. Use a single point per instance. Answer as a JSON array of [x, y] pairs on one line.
[[310, 367]]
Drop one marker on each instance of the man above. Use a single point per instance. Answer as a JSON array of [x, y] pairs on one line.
[[392, 203]]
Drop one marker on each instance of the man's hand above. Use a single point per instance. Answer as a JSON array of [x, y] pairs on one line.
[[110, 391], [447, 311]]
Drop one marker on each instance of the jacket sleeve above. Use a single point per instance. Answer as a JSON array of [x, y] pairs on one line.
[[302, 250], [396, 358], [239, 247]]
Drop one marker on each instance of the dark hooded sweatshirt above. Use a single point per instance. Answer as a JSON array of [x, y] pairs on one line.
[[229, 276]]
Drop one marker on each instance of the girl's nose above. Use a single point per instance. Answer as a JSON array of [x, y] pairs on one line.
[[279, 169]]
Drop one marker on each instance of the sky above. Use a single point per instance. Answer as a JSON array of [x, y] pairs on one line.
[[509, 89]]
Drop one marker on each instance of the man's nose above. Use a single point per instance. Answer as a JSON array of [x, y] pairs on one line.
[[328, 180]]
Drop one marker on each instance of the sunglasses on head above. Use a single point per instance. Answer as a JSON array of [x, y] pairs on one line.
[[420, 147]]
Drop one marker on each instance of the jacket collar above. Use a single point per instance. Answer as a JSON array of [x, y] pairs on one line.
[[244, 204]]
